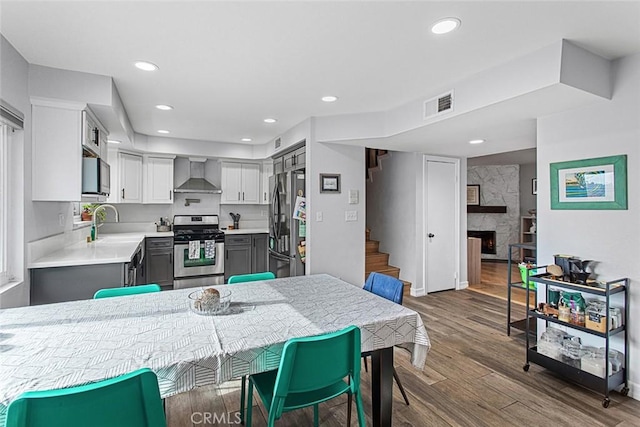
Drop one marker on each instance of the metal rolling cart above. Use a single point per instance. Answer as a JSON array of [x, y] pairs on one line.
[[611, 380], [517, 324]]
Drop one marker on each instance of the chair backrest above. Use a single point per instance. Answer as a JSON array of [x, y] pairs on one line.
[[242, 278], [129, 400], [126, 290], [313, 363], [385, 286]]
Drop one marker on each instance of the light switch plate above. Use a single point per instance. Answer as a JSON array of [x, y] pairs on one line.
[[350, 215], [319, 216], [353, 197]]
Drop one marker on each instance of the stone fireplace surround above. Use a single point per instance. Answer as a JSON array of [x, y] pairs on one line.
[[499, 186]]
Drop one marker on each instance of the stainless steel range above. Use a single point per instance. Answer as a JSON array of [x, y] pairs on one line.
[[198, 251]]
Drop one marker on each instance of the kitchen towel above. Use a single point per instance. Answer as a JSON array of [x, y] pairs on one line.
[[194, 249], [210, 249]]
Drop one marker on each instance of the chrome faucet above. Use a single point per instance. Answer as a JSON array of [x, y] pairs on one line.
[[95, 216]]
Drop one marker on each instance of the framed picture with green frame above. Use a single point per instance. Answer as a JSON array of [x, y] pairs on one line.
[[599, 183]]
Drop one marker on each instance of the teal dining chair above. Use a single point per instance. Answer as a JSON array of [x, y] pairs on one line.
[[389, 288], [244, 278], [253, 277], [126, 290], [312, 371], [130, 400]]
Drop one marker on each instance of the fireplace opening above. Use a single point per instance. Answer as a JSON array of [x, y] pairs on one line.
[[488, 238]]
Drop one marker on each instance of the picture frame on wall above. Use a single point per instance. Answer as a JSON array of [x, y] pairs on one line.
[[599, 183], [534, 186], [329, 183], [473, 195]]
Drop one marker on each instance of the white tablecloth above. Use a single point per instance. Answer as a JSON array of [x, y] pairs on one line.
[[68, 344]]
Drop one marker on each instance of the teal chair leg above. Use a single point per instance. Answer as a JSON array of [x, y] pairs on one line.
[[243, 389], [249, 403], [360, 409], [316, 422]]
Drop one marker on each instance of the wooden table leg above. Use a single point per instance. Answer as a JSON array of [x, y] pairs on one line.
[[382, 386]]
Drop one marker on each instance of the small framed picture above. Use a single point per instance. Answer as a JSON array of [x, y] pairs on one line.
[[329, 183], [534, 186], [473, 195]]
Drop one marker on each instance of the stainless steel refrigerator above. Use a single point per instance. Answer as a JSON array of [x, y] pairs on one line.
[[286, 235]]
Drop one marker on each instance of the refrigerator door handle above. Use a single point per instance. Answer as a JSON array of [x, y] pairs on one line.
[[279, 256]]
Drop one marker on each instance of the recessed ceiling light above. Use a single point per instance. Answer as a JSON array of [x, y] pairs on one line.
[[113, 141], [269, 120], [164, 107], [246, 139], [163, 131], [145, 66], [445, 25], [330, 98], [476, 141]]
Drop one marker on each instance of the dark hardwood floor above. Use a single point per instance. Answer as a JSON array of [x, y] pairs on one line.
[[473, 377]]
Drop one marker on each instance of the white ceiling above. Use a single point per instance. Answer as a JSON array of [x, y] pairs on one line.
[[225, 66]]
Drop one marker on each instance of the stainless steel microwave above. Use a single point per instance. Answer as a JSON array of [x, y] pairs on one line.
[[95, 176]]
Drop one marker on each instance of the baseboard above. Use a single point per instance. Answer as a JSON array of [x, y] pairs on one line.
[[463, 285], [417, 293]]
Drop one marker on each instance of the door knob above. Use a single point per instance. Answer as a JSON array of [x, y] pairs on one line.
[[430, 235]]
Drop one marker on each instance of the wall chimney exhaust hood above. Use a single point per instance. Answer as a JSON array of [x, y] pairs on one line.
[[196, 182]]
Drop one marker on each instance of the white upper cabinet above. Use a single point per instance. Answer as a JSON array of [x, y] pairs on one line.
[[130, 183], [157, 179], [57, 153], [267, 171], [240, 183], [60, 131]]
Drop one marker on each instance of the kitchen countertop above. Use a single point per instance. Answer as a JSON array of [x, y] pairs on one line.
[[107, 249], [247, 231]]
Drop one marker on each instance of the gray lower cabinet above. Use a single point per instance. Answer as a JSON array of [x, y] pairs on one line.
[[259, 255], [60, 284], [244, 254], [237, 255], [159, 261]]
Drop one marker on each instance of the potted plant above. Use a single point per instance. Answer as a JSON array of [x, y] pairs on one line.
[[87, 212]]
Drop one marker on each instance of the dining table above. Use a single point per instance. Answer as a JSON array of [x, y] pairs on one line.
[[54, 346]]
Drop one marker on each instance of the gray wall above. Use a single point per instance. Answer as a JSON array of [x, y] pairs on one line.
[[527, 200], [612, 237]]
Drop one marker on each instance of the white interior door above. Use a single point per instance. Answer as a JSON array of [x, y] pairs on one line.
[[441, 229]]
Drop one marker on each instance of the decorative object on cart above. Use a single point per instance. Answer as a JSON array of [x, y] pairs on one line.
[[329, 183], [597, 369], [555, 271], [527, 269], [564, 261], [473, 194], [590, 184], [579, 273], [236, 220]]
